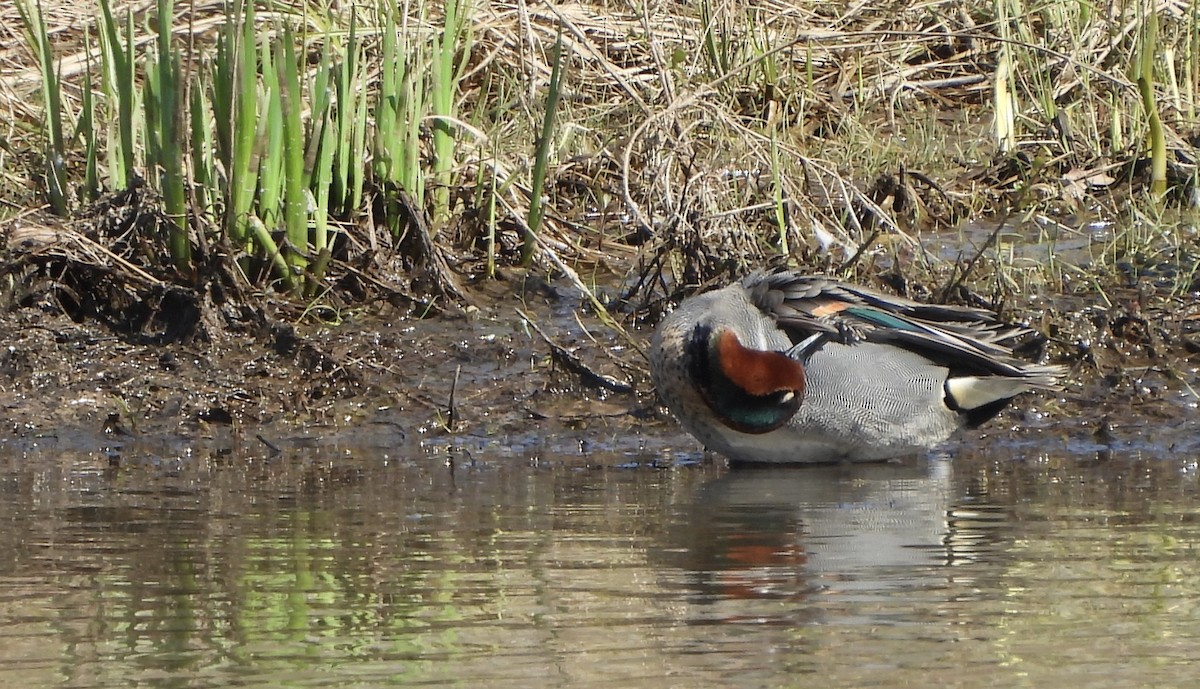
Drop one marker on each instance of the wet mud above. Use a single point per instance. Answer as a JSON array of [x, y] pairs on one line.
[[467, 385], [101, 350], [464, 380]]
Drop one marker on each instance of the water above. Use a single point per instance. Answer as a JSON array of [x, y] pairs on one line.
[[352, 567]]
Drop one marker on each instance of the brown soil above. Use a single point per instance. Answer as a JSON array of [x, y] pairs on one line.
[[267, 376]]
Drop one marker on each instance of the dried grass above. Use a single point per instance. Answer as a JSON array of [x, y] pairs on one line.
[[663, 157]]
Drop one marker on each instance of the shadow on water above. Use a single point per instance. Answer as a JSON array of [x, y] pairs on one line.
[[355, 568]]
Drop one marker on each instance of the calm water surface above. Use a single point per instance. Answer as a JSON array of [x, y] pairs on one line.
[[364, 568]]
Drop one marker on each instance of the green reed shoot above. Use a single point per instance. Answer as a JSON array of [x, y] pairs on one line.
[[118, 85], [236, 115], [323, 140], [164, 138], [542, 156], [1143, 75], [400, 108], [295, 177], [85, 128], [269, 161], [455, 36], [54, 153], [387, 103], [717, 44], [357, 153], [347, 177], [204, 183]]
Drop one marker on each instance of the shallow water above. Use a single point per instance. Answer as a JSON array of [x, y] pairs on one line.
[[365, 567]]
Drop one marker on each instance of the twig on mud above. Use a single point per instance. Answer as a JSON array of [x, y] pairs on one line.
[[275, 450], [451, 409], [630, 369], [428, 254], [574, 364], [862, 249], [954, 284]]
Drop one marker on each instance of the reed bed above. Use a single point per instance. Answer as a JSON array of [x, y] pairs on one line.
[[295, 145]]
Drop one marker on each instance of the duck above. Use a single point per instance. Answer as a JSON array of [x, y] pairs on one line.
[[784, 367]]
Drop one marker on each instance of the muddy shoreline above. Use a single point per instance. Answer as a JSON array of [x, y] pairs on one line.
[[380, 378], [104, 351], [465, 382]]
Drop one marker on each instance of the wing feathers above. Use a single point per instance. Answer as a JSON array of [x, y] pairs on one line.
[[966, 340]]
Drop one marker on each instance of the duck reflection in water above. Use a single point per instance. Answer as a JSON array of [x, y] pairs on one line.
[[850, 531]]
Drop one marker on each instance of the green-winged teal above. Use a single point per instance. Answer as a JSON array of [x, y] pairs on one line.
[[783, 367]]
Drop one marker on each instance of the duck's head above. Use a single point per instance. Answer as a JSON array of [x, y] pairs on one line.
[[749, 390]]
